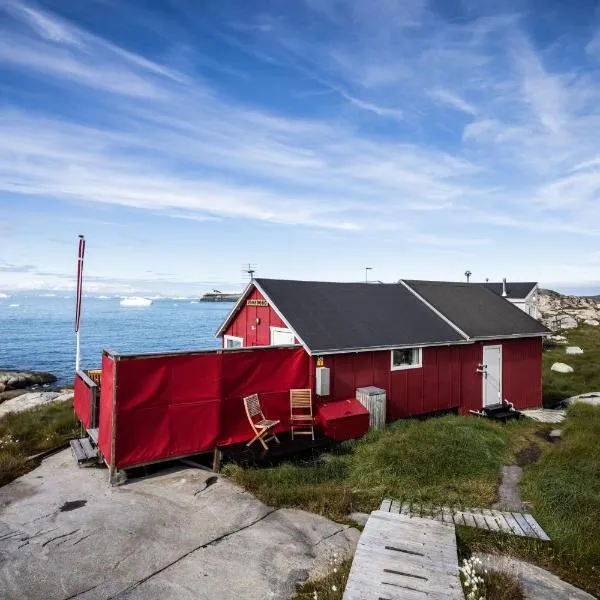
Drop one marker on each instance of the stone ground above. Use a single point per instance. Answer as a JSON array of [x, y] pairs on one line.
[[536, 583], [31, 400], [64, 534]]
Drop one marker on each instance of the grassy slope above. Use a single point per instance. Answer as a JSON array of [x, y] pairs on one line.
[[563, 488], [448, 460], [30, 432], [586, 377]]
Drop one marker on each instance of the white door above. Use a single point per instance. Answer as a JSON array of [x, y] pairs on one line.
[[281, 336], [492, 375]]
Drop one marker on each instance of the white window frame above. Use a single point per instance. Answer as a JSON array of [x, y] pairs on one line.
[[280, 330], [233, 338], [417, 365]]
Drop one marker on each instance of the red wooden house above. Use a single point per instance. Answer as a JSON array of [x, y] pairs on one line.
[[432, 346]]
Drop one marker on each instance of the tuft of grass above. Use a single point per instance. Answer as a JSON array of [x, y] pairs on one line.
[[330, 587], [30, 432], [447, 460], [586, 375], [500, 585]]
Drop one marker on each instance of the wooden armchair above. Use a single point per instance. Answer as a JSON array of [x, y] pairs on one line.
[[261, 426], [301, 414]]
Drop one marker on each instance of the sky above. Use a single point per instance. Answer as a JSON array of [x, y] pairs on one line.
[[310, 138]]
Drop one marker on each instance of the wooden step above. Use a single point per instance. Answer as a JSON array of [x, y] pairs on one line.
[[83, 451]]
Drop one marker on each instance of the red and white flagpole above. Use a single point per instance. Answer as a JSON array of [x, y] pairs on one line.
[[80, 256]]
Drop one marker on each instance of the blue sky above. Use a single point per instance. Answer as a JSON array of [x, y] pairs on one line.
[[309, 137]]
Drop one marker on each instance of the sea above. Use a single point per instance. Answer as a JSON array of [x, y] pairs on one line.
[[38, 332]]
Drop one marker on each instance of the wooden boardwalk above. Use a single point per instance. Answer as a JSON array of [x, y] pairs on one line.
[[521, 524], [545, 415], [402, 557]]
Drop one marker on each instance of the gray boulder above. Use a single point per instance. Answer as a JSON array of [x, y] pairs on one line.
[[574, 350], [14, 380], [559, 367]]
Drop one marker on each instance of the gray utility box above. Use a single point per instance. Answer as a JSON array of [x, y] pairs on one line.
[[373, 399], [322, 381]]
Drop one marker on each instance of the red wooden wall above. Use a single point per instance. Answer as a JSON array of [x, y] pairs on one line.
[[448, 378], [245, 326]]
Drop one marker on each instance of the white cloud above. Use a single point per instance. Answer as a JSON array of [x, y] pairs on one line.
[[381, 153], [453, 100]]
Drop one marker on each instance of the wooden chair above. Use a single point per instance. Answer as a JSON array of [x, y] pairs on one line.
[[262, 427], [301, 414]]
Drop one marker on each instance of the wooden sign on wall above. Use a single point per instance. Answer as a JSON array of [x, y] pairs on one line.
[[257, 303]]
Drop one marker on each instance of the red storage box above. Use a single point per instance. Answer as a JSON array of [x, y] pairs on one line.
[[343, 419]]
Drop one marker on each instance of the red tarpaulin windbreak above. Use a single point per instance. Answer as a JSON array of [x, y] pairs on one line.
[[185, 403]]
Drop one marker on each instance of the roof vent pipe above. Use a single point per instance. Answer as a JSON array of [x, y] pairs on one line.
[[504, 294]]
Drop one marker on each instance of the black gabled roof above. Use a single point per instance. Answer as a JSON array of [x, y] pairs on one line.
[[477, 310], [330, 317], [515, 290]]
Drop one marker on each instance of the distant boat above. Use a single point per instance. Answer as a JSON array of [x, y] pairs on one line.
[[218, 296], [135, 301]]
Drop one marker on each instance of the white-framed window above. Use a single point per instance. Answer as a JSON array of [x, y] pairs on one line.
[[281, 336], [406, 358], [231, 341]]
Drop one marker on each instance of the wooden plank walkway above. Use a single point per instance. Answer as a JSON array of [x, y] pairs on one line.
[[407, 558], [521, 524], [545, 415]]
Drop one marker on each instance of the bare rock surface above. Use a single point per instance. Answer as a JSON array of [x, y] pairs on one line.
[[536, 583], [13, 380], [31, 400], [559, 367], [592, 398], [64, 533], [559, 311]]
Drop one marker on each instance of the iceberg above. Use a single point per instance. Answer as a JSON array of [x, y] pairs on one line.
[[3, 296], [135, 301]]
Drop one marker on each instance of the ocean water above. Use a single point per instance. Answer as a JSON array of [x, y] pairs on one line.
[[38, 332]]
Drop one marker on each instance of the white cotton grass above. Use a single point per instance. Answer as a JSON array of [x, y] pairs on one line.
[[472, 582]]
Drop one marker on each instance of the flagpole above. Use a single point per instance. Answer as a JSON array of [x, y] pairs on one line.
[[80, 255]]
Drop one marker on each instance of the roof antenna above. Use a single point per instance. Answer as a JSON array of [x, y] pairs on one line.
[[468, 275], [504, 294], [250, 270], [367, 269]]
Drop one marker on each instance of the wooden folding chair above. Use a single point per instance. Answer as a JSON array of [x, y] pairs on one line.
[[301, 414], [261, 426]]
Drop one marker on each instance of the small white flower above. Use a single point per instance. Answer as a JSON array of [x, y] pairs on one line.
[[334, 588]]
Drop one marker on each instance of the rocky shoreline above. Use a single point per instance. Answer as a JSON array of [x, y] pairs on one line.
[[15, 383]]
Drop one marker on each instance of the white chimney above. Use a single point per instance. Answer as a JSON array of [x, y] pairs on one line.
[[504, 294]]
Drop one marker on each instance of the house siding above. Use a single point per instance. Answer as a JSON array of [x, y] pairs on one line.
[[244, 325], [447, 380]]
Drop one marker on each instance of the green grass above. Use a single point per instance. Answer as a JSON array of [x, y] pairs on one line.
[[330, 587], [30, 432], [563, 489], [447, 460], [586, 375]]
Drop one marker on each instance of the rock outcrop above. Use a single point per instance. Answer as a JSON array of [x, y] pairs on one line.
[[559, 312], [33, 400], [14, 380]]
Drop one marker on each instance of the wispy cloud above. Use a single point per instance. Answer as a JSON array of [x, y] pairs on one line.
[[415, 120]]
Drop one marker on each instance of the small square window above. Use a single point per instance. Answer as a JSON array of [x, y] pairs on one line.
[[406, 358], [231, 341]]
